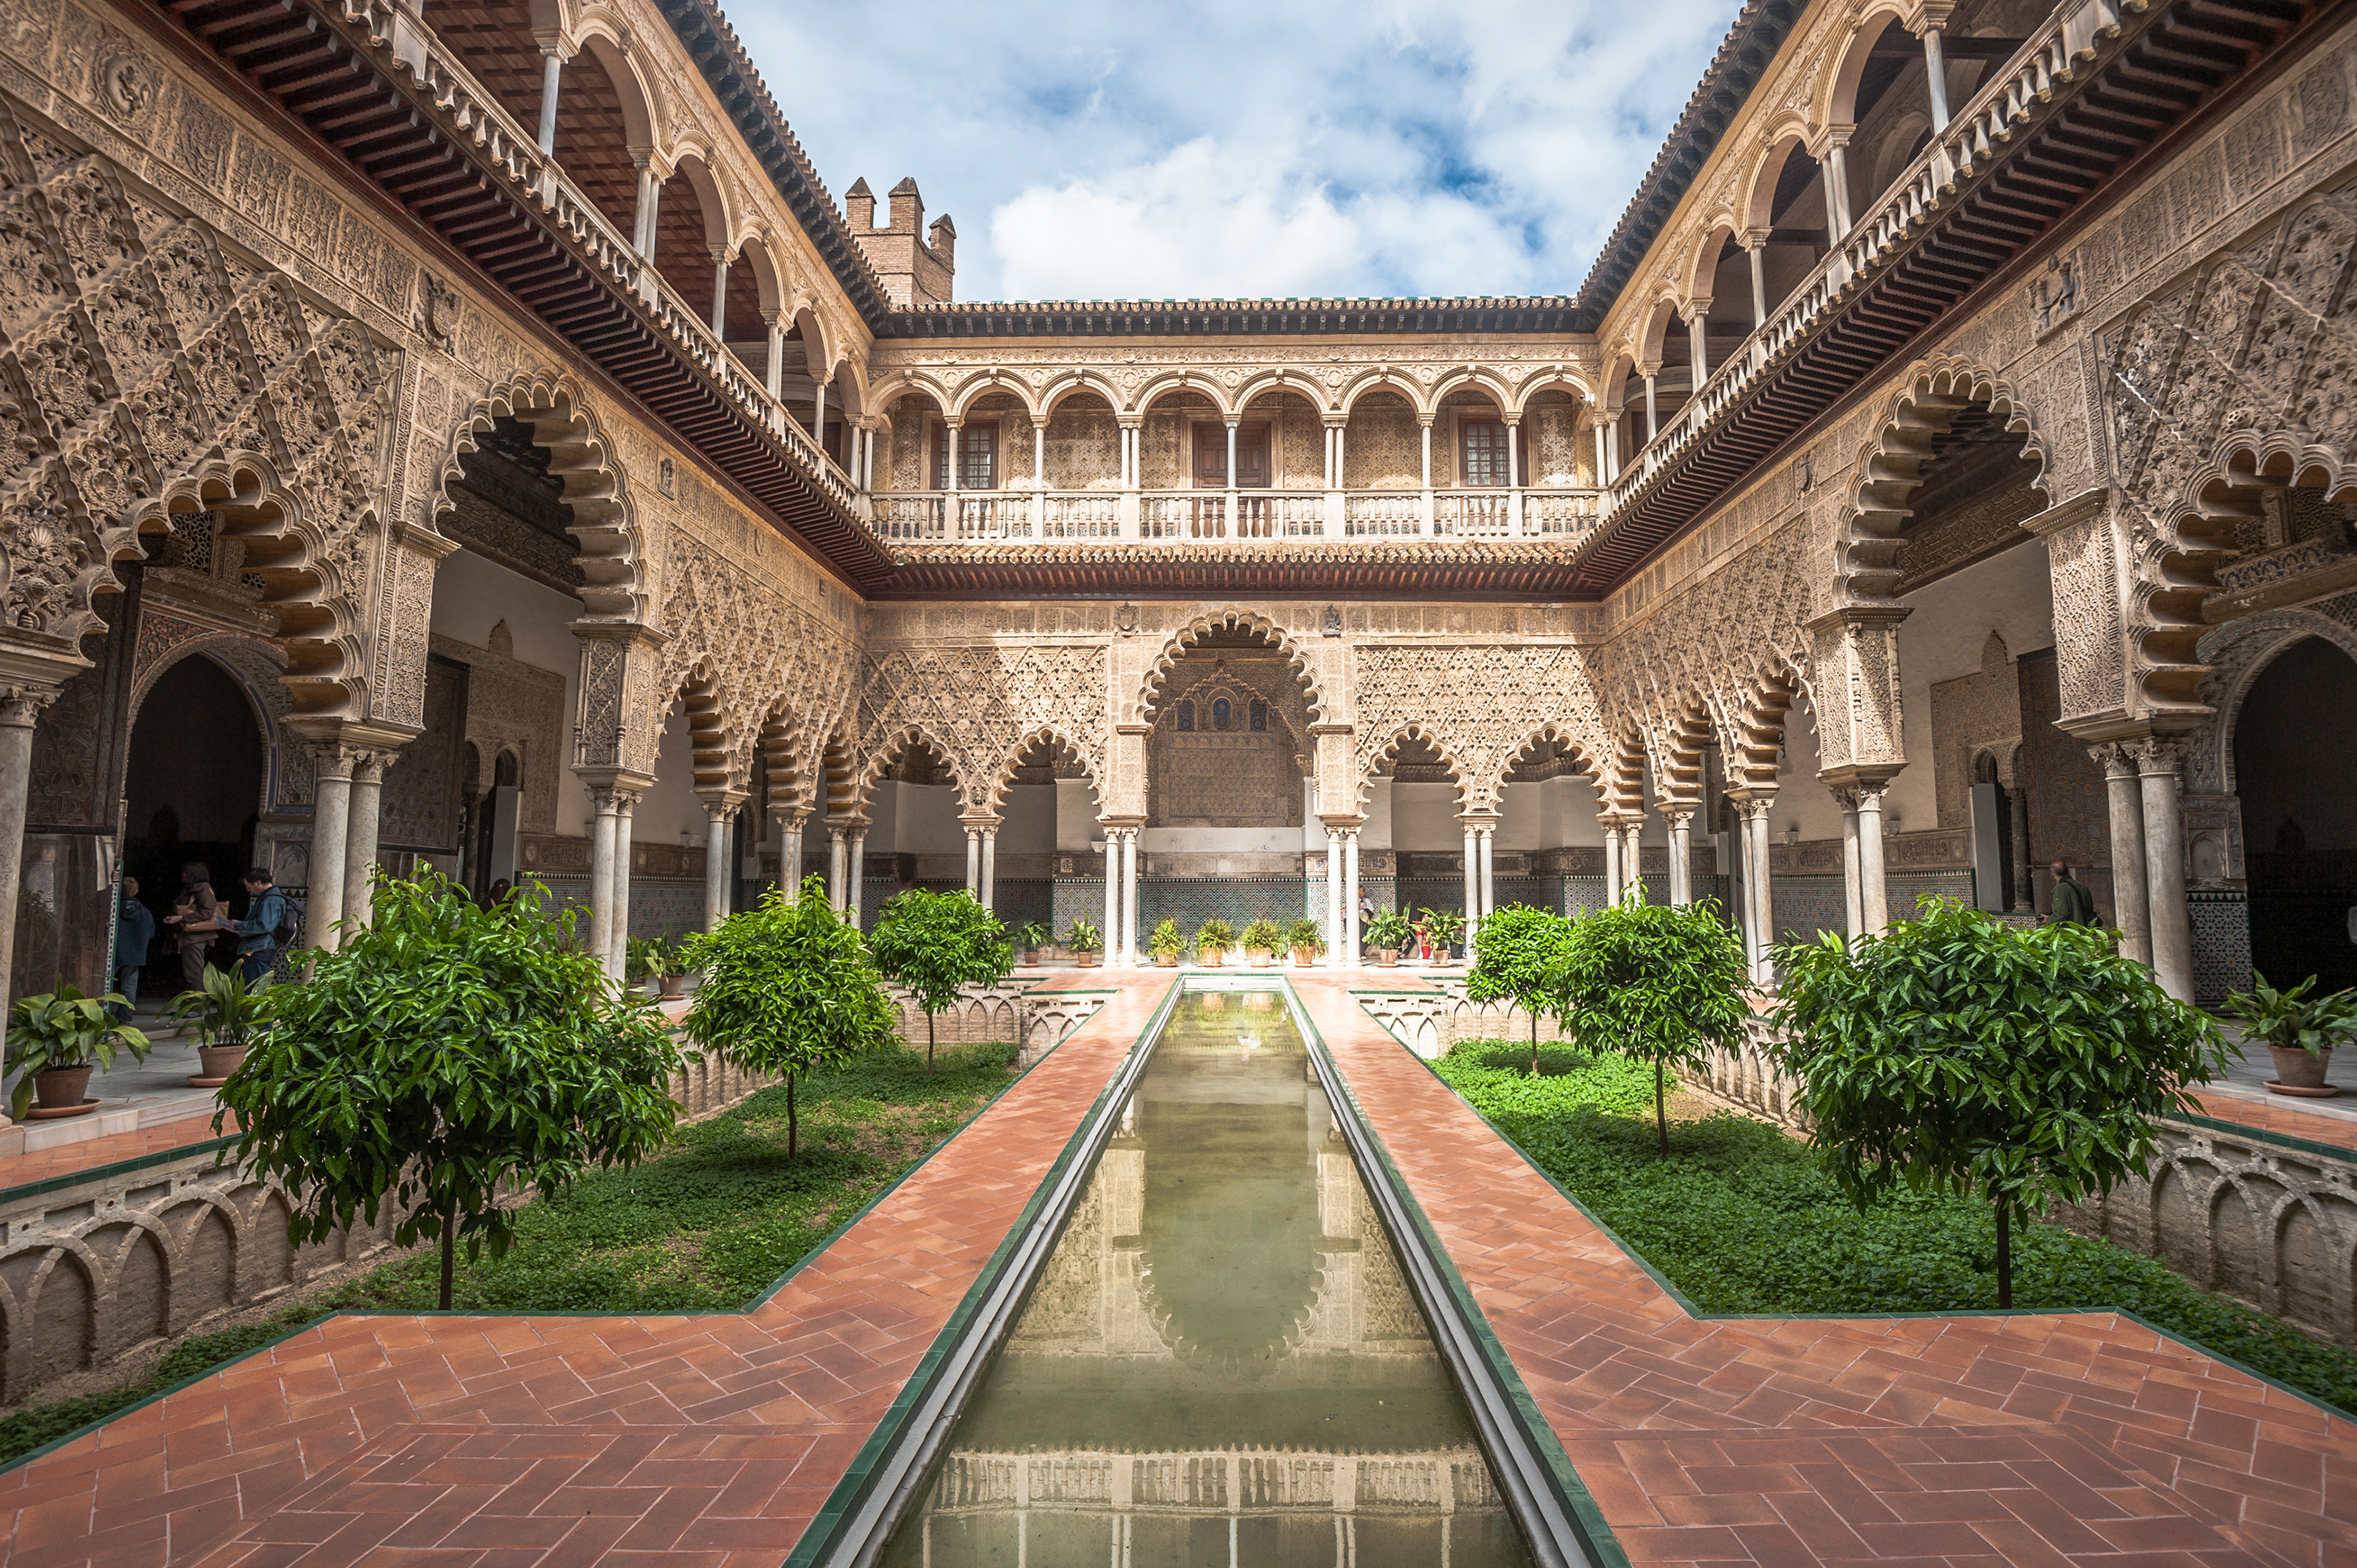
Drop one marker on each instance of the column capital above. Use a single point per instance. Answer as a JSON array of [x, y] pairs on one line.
[[1752, 239], [718, 803], [2156, 755], [1695, 309], [1828, 139], [1677, 815]]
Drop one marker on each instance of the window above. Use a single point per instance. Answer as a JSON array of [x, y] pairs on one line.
[[977, 455], [1482, 452], [1259, 716], [1211, 455], [1221, 713], [1185, 717]]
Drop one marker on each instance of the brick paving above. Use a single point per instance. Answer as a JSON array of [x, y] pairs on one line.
[[490, 1442], [2030, 1439], [65, 1159], [2278, 1113]]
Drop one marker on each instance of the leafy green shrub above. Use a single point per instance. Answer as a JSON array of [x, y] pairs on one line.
[[1083, 937], [1262, 935], [1390, 930], [1444, 928], [60, 1029], [1515, 955], [1031, 936], [2292, 1019], [937, 944], [1214, 936], [1662, 982], [1957, 1051], [1166, 943], [1304, 934]]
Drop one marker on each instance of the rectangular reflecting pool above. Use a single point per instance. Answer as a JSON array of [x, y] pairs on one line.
[[1221, 1363]]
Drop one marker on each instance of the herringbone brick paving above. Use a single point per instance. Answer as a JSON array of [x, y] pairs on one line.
[[478, 1442]]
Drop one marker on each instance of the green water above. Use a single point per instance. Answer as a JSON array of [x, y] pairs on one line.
[[1221, 1363]]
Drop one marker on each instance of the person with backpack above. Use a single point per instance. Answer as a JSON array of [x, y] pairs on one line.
[[269, 925], [195, 921], [2073, 899]]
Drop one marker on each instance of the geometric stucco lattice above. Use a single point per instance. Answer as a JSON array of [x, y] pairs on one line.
[[981, 705]]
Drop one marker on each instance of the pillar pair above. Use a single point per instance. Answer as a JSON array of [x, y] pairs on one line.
[[1481, 862], [1120, 896], [846, 866], [609, 871], [2148, 832], [347, 799], [981, 862], [1864, 890]]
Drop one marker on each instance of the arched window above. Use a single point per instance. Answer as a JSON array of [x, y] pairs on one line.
[[1222, 713], [1259, 716], [1185, 716]]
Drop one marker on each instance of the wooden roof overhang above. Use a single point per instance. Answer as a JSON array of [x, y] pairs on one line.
[[418, 135], [2177, 65], [1511, 570]]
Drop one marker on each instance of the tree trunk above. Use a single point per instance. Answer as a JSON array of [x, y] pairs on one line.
[[929, 1042], [793, 1129], [450, 1251], [1534, 1044], [1661, 1111], [2004, 1255]]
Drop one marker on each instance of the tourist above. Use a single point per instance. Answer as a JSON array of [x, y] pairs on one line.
[[196, 918], [134, 932], [259, 934], [2072, 900]]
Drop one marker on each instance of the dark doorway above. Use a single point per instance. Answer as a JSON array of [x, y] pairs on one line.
[[194, 788], [2296, 771]]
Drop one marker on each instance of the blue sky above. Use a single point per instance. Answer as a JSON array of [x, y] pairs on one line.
[[1240, 148]]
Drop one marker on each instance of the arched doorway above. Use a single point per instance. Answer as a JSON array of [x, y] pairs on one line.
[[2296, 772], [194, 791]]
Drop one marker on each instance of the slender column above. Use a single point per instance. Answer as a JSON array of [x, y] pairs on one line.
[[720, 294], [1231, 455], [989, 867], [2156, 757], [1612, 448], [1424, 428], [1039, 453], [1633, 860], [1350, 890], [551, 70], [1612, 863], [973, 859], [1514, 453], [1472, 879], [1341, 455], [359, 839], [1679, 820], [601, 876], [1755, 241], [951, 478], [1873, 895], [2130, 908], [331, 815], [1854, 915], [1112, 932], [1935, 68], [1333, 897], [649, 198], [1759, 902], [789, 854], [1697, 347], [856, 877], [818, 421], [773, 368], [1837, 187], [626, 803], [20, 708], [1129, 898], [2025, 901], [838, 865], [1488, 888], [715, 865], [1603, 466], [1653, 408]]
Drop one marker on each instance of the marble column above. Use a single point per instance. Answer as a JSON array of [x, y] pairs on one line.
[[839, 861], [20, 709], [1679, 820], [601, 876], [855, 878], [1873, 892], [1112, 932], [974, 861], [716, 866], [359, 838], [1129, 898], [552, 74], [1472, 880], [1333, 897], [1488, 888], [1612, 863], [2157, 758], [626, 802], [1935, 70], [2131, 910], [1759, 923], [2025, 901], [789, 854], [1350, 892], [989, 868], [1854, 913], [1632, 859], [331, 816]]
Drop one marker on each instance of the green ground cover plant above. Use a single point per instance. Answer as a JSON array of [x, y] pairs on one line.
[[708, 1225], [1743, 1219]]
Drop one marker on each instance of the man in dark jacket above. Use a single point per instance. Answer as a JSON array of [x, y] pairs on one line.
[[2073, 901], [134, 932], [257, 934]]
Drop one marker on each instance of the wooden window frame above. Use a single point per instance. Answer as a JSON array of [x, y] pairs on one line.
[[1266, 427], [941, 458], [1465, 423]]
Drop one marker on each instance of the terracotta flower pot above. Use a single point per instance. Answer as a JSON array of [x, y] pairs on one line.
[[218, 1061], [1167, 959], [1259, 957], [674, 986], [2300, 1070], [1085, 960], [1303, 957], [61, 1087], [1213, 958], [1387, 958], [1030, 958]]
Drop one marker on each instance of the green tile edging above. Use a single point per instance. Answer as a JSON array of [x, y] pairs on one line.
[[2245, 1130], [804, 1262], [1690, 1310], [1603, 1546], [849, 1493], [106, 1172]]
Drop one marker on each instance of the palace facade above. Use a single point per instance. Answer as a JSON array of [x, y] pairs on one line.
[[475, 435]]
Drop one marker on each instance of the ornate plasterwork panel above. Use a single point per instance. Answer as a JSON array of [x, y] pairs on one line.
[[981, 705], [1477, 705]]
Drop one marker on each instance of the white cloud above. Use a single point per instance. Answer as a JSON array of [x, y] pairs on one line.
[[1234, 148]]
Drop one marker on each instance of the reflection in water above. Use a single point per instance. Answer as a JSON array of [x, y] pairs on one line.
[[1221, 1363]]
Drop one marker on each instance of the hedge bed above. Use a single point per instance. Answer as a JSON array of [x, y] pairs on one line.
[[1742, 1218], [707, 1227]]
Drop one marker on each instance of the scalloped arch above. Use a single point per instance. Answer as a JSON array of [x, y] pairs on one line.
[[889, 748], [1149, 691], [1002, 777], [1415, 730]]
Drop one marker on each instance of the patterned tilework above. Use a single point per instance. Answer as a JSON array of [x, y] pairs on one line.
[[2028, 1439], [2221, 944], [481, 1441], [1191, 900], [665, 907]]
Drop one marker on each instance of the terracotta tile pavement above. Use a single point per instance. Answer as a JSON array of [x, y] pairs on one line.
[[490, 1442], [64, 1159], [2028, 1439], [2281, 1115]]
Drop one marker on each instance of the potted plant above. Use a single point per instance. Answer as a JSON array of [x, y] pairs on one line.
[[54, 1041], [1166, 944], [2300, 1031], [1031, 936], [223, 1012], [1213, 938], [1306, 941], [1085, 942], [1444, 928], [1261, 938], [1390, 931]]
